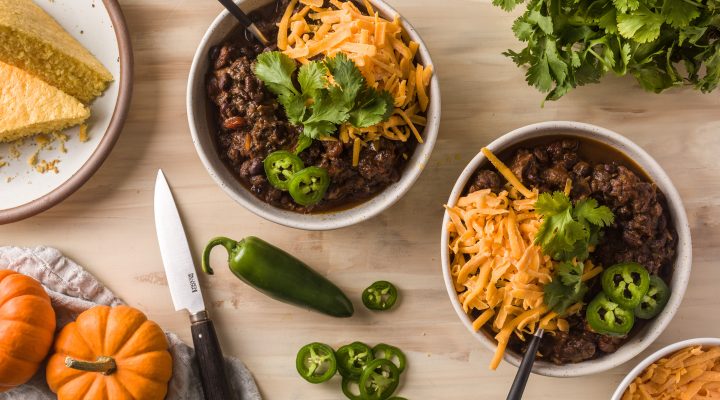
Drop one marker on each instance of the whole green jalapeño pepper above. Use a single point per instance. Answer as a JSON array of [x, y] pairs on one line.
[[609, 318], [626, 284], [280, 275]]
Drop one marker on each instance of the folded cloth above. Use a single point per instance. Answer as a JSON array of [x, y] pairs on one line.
[[73, 290]]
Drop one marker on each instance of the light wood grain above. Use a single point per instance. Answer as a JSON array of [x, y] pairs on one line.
[[107, 226]]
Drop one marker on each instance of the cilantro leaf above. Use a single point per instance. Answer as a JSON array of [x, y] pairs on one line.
[[566, 288], [642, 25], [507, 5], [679, 13], [567, 232], [538, 74], [371, 109], [588, 210], [347, 78], [552, 204], [318, 128], [522, 29], [312, 77], [276, 69], [543, 22], [626, 5]]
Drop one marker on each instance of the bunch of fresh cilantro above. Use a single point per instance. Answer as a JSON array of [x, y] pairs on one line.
[[663, 43], [566, 234], [331, 92]]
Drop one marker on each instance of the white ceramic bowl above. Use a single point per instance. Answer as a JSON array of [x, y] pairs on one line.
[[681, 275], [205, 144], [664, 352]]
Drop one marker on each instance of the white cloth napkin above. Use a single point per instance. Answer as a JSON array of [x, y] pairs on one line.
[[73, 290]]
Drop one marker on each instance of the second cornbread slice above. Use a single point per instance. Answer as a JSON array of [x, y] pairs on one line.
[[32, 40], [29, 105]]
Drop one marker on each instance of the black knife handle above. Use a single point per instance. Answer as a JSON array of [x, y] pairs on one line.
[[523, 373], [210, 359]]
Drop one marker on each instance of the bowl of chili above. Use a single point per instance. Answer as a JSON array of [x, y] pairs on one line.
[[283, 188], [621, 288]]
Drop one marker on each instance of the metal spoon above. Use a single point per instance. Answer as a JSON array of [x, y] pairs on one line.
[[523, 372], [244, 20]]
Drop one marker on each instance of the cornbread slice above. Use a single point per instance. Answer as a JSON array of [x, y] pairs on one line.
[[29, 105], [32, 40]]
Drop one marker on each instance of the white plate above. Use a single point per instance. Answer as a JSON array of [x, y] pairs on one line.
[[100, 27]]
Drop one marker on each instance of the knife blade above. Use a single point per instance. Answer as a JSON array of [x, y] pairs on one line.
[[186, 293]]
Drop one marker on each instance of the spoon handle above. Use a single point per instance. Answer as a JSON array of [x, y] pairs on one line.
[[523, 373], [236, 12], [244, 20]]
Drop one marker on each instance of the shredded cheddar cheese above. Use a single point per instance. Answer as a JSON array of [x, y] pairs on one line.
[[498, 271], [692, 373], [379, 48]]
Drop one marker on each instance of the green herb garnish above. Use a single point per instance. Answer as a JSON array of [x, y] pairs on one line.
[[570, 43], [566, 234], [321, 103], [566, 288]]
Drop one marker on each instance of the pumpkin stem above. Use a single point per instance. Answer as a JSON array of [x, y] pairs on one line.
[[104, 365]]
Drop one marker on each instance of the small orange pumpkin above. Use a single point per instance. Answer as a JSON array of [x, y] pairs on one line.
[[113, 353], [27, 327]]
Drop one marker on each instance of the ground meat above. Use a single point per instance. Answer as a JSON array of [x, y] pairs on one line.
[[251, 124], [642, 231], [486, 179]]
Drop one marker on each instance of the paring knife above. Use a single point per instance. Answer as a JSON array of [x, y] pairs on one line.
[[186, 293]]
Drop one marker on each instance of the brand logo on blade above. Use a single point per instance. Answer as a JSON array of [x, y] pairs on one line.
[[193, 283]]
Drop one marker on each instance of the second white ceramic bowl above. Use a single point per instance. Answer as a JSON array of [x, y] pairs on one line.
[[683, 261], [206, 148], [664, 352]]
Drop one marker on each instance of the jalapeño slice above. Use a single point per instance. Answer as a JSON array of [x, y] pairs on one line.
[[654, 300], [391, 353], [380, 296], [379, 380], [316, 362], [308, 186], [280, 167], [608, 317], [626, 284], [353, 358]]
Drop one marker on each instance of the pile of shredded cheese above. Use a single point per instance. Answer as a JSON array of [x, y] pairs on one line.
[[380, 49], [497, 269], [692, 373]]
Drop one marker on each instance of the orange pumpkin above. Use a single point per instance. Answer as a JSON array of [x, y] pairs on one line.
[[27, 327], [110, 353]]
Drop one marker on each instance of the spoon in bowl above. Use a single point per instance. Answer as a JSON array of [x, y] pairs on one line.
[[244, 20], [523, 372]]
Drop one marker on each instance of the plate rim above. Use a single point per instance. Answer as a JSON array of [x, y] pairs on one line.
[[106, 144]]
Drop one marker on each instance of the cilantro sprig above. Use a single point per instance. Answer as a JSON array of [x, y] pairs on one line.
[[662, 43], [568, 231], [566, 288], [566, 234], [331, 92]]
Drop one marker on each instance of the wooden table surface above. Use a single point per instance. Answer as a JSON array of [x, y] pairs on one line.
[[108, 225]]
